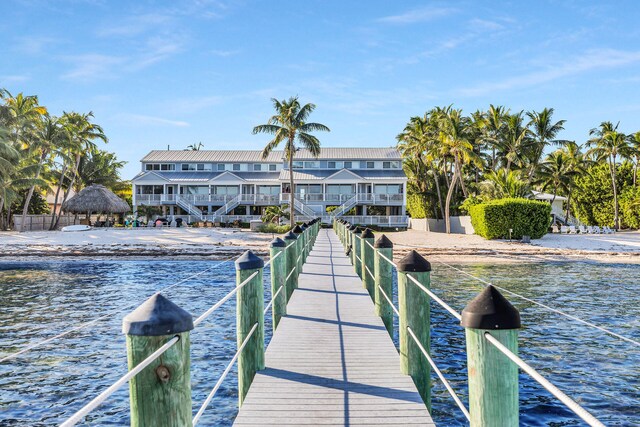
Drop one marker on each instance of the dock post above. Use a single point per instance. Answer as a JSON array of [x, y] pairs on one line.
[[357, 251], [249, 311], [366, 253], [297, 230], [278, 279], [160, 395], [350, 246], [493, 378], [384, 280], [306, 231], [291, 255], [415, 313]]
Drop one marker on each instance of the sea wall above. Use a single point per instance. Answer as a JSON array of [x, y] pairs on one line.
[[459, 225], [41, 222]]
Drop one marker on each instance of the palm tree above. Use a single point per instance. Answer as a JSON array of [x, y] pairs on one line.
[[289, 124], [577, 165], [274, 213], [611, 145], [494, 124], [634, 143], [502, 183], [555, 173], [99, 167], [544, 132], [194, 147], [454, 138]]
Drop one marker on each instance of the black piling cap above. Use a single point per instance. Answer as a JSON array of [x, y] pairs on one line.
[[367, 234], [383, 243], [413, 262], [157, 316], [249, 261], [304, 227], [357, 230], [277, 243], [352, 228], [290, 236], [297, 229], [490, 310]]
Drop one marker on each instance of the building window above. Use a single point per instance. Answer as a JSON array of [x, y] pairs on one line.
[[348, 165], [148, 167], [331, 165], [220, 166], [200, 166], [371, 165], [188, 167], [236, 166], [311, 165], [298, 165], [272, 168], [167, 167], [390, 165], [257, 167]]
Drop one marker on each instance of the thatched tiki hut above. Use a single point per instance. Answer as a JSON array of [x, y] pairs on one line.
[[96, 199]]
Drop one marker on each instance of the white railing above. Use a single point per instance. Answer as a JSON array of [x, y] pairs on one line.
[[345, 206], [228, 206], [189, 207], [149, 199], [271, 199], [389, 221]]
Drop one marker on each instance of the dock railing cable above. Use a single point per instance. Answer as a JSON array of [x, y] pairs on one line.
[[84, 325], [561, 396], [185, 323]]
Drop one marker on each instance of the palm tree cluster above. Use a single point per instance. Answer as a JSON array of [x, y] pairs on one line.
[[450, 157], [42, 153]]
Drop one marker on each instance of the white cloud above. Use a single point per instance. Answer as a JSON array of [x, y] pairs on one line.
[[135, 25], [418, 15], [12, 79], [591, 60], [140, 119], [225, 53], [92, 66]]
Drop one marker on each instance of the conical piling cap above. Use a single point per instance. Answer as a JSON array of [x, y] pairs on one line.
[[249, 261], [304, 227], [157, 316], [383, 243], [367, 234], [490, 310], [413, 262], [277, 243], [352, 228], [297, 229], [290, 236], [357, 230]]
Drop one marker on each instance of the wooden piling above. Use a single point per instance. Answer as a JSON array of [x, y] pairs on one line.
[[160, 395], [249, 311], [383, 271], [278, 280], [366, 250], [357, 249], [493, 378], [291, 255], [297, 230], [415, 313]]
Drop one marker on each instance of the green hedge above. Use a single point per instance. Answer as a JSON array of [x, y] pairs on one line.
[[273, 228], [416, 205], [492, 220]]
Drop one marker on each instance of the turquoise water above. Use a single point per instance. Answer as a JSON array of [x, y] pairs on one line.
[[47, 385]]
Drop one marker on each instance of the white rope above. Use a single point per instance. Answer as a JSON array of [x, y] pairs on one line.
[[442, 378], [435, 297], [290, 273], [104, 316], [224, 299], [388, 260], [357, 257], [78, 416], [570, 316], [370, 245], [384, 294], [570, 403], [224, 375], [370, 273], [273, 298], [266, 264]]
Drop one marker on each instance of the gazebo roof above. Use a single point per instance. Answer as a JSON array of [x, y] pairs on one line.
[[98, 199]]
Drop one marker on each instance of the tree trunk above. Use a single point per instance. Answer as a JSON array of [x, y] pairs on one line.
[[435, 177], [464, 187], [55, 201], [68, 190], [25, 209], [568, 207], [292, 220], [448, 205]]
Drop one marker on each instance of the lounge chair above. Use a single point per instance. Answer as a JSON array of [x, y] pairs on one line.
[[564, 229], [582, 229], [572, 229]]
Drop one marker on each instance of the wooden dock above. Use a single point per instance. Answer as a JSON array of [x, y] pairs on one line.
[[331, 360]]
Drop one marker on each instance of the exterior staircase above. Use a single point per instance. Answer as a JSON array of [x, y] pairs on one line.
[[344, 208], [303, 209], [189, 207], [228, 206]]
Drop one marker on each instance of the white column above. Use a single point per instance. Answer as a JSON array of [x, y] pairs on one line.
[[404, 198]]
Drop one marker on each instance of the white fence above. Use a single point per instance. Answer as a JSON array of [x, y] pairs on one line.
[[41, 222]]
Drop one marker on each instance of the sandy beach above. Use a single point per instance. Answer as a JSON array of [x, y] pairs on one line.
[[226, 242]]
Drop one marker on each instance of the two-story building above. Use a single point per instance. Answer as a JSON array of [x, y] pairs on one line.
[[364, 185]]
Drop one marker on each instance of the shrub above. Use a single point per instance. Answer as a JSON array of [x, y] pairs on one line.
[[417, 205], [630, 207], [469, 201], [273, 228], [525, 217]]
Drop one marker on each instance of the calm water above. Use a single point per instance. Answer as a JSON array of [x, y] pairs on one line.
[[47, 385]]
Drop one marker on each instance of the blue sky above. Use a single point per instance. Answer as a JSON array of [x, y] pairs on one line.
[[179, 72]]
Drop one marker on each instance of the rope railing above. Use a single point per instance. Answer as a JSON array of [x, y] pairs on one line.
[[84, 325], [446, 383], [226, 371], [435, 297], [97, 401], [393, 307], [555, 391], [273, 297], [555, 310]]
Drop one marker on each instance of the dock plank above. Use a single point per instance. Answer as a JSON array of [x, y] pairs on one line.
[[331, 361]]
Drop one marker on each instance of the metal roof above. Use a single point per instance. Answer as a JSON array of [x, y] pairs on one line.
[[321, 174], [229, 156]]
